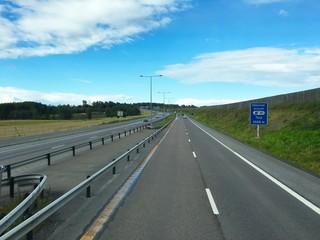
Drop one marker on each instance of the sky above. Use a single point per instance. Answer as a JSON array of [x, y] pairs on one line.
[[209, 52]]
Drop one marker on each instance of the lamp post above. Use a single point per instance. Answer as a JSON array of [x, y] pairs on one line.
[[150, 76], [164, 100], [169, 101]]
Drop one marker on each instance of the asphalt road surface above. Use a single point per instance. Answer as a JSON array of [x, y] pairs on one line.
[[195, 187]]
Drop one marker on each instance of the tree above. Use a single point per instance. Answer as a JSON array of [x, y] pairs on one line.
[[64, 112]]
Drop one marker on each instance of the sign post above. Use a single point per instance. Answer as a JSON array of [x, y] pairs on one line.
[[258, 115], [119, 115]]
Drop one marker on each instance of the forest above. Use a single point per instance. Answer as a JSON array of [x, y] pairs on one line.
[[39, 111], [34, 110]]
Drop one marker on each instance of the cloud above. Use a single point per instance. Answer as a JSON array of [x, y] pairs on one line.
[[258, 2], [255, 66], [39, 28], [85, 81], [204, 102], [12, 94]]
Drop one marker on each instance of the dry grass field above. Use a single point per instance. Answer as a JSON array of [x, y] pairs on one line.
[[16, 128]]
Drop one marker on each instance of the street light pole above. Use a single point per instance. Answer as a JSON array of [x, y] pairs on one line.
[[164, 100], [170, 102], [150, 76]]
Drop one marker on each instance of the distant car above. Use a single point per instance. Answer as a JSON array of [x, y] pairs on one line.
[[146, 120]]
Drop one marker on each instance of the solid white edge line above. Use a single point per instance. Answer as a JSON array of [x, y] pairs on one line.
[[212, 203], [194, 154], [274, 180]]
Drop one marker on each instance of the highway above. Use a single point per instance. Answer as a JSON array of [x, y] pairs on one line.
[[196, 186], [17, 149]]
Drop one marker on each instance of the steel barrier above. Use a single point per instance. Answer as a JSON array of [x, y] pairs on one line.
[[1, 170], [31, 179], [8, 168]]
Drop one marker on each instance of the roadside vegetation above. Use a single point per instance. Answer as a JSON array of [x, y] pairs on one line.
[[163, 122], [292, 133]]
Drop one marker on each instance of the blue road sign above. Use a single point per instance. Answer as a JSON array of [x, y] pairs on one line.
[[259, 113]]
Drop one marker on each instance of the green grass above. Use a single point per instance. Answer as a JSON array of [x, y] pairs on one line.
[[9, 205], [292, 133], [15, 128], [163, 122]]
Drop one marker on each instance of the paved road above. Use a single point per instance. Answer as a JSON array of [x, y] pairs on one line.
[[17, 149], [65, 173], [170, 200]]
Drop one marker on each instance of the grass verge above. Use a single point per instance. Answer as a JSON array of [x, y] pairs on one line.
[[292, 133]]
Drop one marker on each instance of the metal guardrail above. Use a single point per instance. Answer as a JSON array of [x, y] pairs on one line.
[[31, 179], [28, 225], [47, 156]]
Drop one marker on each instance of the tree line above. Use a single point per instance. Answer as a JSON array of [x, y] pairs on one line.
[[98, 109], [34, 110]]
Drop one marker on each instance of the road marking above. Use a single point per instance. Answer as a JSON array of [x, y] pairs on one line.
[[59, 146], [194, 154], [212, 203], [267, 175], [189, 140], [107, 213]]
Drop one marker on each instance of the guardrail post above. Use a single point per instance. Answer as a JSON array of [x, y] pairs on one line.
[[137, 148], [130, 131], [128, 156], [11, 187], [90, 143], [119, 135], [49, 159], [102, 141], [125, 133], [111, 138], [73, 151], [42, 192], [149, 140], [88, 193], [144, 144], [114, 169], [30, 235], [1, 170]]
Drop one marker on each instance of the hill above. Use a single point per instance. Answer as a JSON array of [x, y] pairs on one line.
[[292, 133]]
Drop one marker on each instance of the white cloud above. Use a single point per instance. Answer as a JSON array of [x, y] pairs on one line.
[[38, 28], [258, 2], [12, 94], [254, 66], [204, 102]]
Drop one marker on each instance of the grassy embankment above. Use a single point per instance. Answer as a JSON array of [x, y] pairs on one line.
[[15, 128], [292, 133]]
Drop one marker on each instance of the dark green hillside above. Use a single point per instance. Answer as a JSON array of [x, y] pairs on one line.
[[292, 134]]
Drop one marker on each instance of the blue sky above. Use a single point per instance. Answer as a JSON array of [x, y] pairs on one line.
[[208, 51]]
